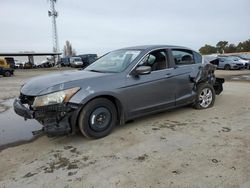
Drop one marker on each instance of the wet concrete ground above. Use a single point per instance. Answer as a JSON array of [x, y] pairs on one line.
[[13, 128], [241, 78]]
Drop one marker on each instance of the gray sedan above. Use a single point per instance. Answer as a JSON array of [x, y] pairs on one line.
[[229, 63], [122, 85]]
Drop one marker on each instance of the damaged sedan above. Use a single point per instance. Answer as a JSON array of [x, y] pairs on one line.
[[122, 85]]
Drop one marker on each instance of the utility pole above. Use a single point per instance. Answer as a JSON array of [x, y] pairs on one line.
[[53, 14]]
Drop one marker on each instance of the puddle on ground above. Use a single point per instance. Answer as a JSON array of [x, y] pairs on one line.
[[13, 128]]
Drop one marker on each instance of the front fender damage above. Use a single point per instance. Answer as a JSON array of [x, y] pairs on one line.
[[58, 119]]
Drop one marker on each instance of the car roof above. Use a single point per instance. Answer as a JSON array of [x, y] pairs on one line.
[[152, 47], [87, 55]]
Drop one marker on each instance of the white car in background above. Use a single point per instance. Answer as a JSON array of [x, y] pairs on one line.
[[76, 62], [245, 62]]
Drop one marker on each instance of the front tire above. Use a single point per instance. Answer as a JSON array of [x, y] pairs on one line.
[[98, 118], [7, 74], [205, 96]]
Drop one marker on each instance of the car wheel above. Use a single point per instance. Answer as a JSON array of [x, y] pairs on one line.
[[205, 96], [227, 67], [7, 74], [97, 118]]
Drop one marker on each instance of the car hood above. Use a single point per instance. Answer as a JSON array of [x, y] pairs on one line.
[[243, 61], [58, 81]]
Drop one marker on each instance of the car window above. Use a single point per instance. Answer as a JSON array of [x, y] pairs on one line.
[[183, 57], [157, 60], [116, 61], [226, 59], [236, 58], [197, 57]]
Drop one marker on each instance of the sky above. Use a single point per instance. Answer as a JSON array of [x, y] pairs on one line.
[[99, 26]]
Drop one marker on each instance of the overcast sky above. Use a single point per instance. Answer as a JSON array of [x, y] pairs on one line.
[[100, 26]]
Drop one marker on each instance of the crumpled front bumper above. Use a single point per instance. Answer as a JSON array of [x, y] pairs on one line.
[[58, 119], [22, 110]]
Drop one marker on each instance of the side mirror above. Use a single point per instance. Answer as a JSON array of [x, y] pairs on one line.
[[142, 70]]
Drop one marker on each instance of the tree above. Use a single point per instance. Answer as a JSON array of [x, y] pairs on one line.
[[68, 50], [240, 47], [208, 49], [231, 48], [221, 46], [244, 46]]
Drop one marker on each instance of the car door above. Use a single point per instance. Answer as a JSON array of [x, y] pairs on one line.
[[222, 62], [151, 92], [187, 65]]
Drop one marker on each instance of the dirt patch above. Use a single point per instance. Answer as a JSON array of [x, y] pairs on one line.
[[60, 162], [170, 124], [3, 108], [141, 158], [225, 129], [29, 174]]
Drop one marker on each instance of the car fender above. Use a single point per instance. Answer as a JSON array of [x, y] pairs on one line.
[[86, 95]]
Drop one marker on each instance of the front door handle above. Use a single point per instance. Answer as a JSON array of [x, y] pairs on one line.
[[168, 75]]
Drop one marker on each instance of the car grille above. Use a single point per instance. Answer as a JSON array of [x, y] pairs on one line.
[[239, 64], [25, 99]]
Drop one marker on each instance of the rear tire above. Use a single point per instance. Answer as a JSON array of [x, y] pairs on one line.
[[227, 67], [205, 96], [98, 118]]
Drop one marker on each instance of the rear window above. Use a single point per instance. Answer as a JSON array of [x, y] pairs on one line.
[[197, 57], [183, 57]]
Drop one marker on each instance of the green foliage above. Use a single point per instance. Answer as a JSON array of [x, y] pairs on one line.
[[225, 47], [208, 49], [230, 49], [221, 46]]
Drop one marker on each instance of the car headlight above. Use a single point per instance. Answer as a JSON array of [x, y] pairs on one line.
[[55, 98]]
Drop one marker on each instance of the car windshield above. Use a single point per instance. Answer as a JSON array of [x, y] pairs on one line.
[[77, 59], [116, 61], [236, 58]]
